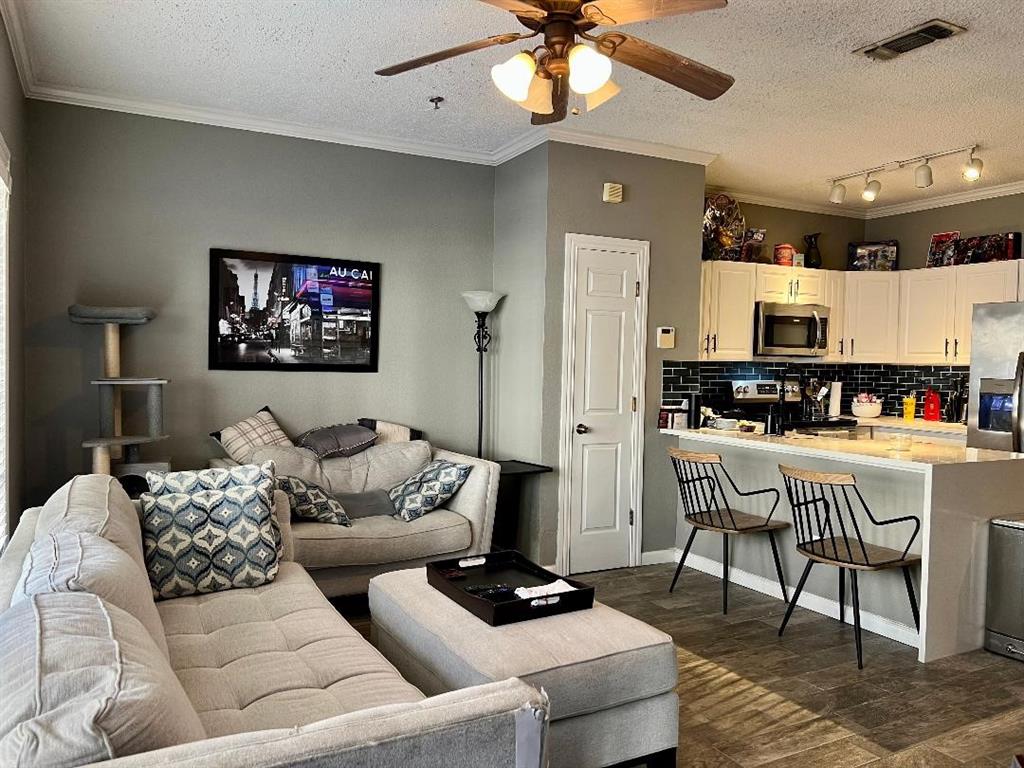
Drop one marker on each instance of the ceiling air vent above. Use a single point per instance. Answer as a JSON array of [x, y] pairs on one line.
[[916, 37]]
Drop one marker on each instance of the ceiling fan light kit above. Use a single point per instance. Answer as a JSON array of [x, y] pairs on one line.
[[923, 178], [567, 63]]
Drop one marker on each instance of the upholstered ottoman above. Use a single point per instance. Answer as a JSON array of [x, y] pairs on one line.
[[611, 679]]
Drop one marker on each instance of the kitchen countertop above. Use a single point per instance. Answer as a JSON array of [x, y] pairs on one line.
[[921, 457], [916, 425]]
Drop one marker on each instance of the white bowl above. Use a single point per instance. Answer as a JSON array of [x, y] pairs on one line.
[[867, 410]]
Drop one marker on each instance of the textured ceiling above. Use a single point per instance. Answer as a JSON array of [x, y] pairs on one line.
[[803, 107]]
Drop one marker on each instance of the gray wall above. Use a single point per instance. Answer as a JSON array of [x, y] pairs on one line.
[[788, 226], [124, 210], [13, 118], [520, 255], [663, 204], [914, 230]]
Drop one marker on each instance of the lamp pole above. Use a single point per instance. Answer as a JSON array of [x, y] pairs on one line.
[[482, 337]]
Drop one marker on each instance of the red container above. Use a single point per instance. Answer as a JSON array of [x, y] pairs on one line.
[[932, 406]]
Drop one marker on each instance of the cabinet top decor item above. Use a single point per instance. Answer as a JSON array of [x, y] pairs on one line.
[[86, 315]]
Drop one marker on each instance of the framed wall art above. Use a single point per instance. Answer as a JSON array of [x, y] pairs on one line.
[[942, 249], [881, 256], [275, 312]]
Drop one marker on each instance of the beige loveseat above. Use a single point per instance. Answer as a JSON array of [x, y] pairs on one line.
[[343, 559], [267, 676]]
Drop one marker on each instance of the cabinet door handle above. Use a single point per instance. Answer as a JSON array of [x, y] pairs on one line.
[[714, 343], [791, 290], [841, 346], [797, 291], [956, 347], [851, 346], [947, 349], [707, 343]]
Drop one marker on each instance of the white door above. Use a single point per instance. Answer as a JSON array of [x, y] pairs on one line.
[[872, 316], [603, 422], [775, 284], [978, 284], [927, 299], [809, 286], [835, 300], [732, 290]]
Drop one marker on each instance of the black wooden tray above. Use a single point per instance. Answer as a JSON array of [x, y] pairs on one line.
[[507, 567]]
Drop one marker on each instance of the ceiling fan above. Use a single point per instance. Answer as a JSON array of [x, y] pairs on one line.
[[539, 80]]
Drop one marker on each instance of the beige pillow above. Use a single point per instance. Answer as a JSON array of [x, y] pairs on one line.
[[95, 504], [81, 562], [83, 682], [241, 439]]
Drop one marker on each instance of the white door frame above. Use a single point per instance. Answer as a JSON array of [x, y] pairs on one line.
[[565, 438]]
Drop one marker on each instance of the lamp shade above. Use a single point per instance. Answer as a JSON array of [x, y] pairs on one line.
[[514, 76], [482, 301], [923, 176], [606, 92], [837, 194], [972, 171], [538, 98], [588, 69]]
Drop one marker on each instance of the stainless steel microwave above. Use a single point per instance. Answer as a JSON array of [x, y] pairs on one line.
[[790, 330]]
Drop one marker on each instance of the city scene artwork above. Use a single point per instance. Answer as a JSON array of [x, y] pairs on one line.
[[275, 312]]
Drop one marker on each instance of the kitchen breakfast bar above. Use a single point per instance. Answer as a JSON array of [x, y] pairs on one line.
[[953, 490]]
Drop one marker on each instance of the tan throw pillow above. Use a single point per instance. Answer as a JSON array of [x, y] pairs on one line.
[[241, 439], [67, 561], [83, 682], [95, 504]]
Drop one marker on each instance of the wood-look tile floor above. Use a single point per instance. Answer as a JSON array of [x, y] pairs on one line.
[[749, 698]]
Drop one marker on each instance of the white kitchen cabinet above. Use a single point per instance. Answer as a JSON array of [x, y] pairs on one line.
[[927, 300], [835, 300], [790, 285], [727, 310], [871, 320], [979, 284]]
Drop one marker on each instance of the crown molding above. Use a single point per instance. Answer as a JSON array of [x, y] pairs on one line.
[[16, 35], [955, 198], [792, 205], [519, 146], [631, 146]]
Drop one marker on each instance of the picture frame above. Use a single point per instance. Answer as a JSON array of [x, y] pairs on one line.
[[942, 250], [282, 312], [878, 256]]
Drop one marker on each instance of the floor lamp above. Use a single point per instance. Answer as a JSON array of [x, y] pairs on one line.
[[482, 303]]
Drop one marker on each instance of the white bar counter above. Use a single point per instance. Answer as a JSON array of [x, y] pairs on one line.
[[954, 490]]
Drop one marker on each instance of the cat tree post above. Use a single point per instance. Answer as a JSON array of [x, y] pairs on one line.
[[112, 370]]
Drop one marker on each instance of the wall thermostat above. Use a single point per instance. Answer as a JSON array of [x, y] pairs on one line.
[[666, 337], [612, 192]]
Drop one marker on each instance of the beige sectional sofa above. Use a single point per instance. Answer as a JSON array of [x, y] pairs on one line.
[[343, 559], [273, 674]]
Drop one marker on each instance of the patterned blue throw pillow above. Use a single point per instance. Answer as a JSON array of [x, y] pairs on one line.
[[311, 502], [209, 540], [428, 489], [216, 479]]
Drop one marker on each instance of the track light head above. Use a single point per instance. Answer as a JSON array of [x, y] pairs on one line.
[[923, 175], [972, 171], [871, 189], [837, 194]]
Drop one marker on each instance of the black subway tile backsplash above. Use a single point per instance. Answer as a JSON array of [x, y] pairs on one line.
[[713, 381]]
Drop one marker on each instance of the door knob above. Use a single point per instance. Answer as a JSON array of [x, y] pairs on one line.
[[582, 429]]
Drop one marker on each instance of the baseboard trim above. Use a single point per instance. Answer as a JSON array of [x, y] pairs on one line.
[[872, 622], [659, 556]]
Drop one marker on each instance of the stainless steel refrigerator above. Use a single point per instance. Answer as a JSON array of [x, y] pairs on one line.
[[995, 418]]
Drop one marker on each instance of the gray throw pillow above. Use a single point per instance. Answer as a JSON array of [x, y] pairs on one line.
[[366, 504], [337, 440], [428, 489], [311, 502]]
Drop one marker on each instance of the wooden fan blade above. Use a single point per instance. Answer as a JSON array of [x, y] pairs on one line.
[[449, 53], [559, 100], [663, 64], [613, 12], [530, 8]]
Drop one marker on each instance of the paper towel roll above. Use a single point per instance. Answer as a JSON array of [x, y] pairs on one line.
[[835, 398]]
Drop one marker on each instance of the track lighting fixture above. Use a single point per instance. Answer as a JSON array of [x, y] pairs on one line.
[[971, 172], [837, 194], [923, 175], [871, 189]]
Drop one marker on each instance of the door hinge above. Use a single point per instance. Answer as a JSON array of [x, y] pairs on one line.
[[632, 404], [638, 289], [631, 517]]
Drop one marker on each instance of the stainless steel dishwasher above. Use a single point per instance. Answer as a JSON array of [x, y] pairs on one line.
[[1004, 602]]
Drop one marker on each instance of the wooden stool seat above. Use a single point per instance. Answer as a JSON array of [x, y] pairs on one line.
[[734, 522], [863, 557]]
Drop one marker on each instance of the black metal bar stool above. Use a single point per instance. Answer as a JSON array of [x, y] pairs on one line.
[[706, 507], [827, 531]]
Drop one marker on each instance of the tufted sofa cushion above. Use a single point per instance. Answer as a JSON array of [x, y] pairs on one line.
[[274, 656]]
